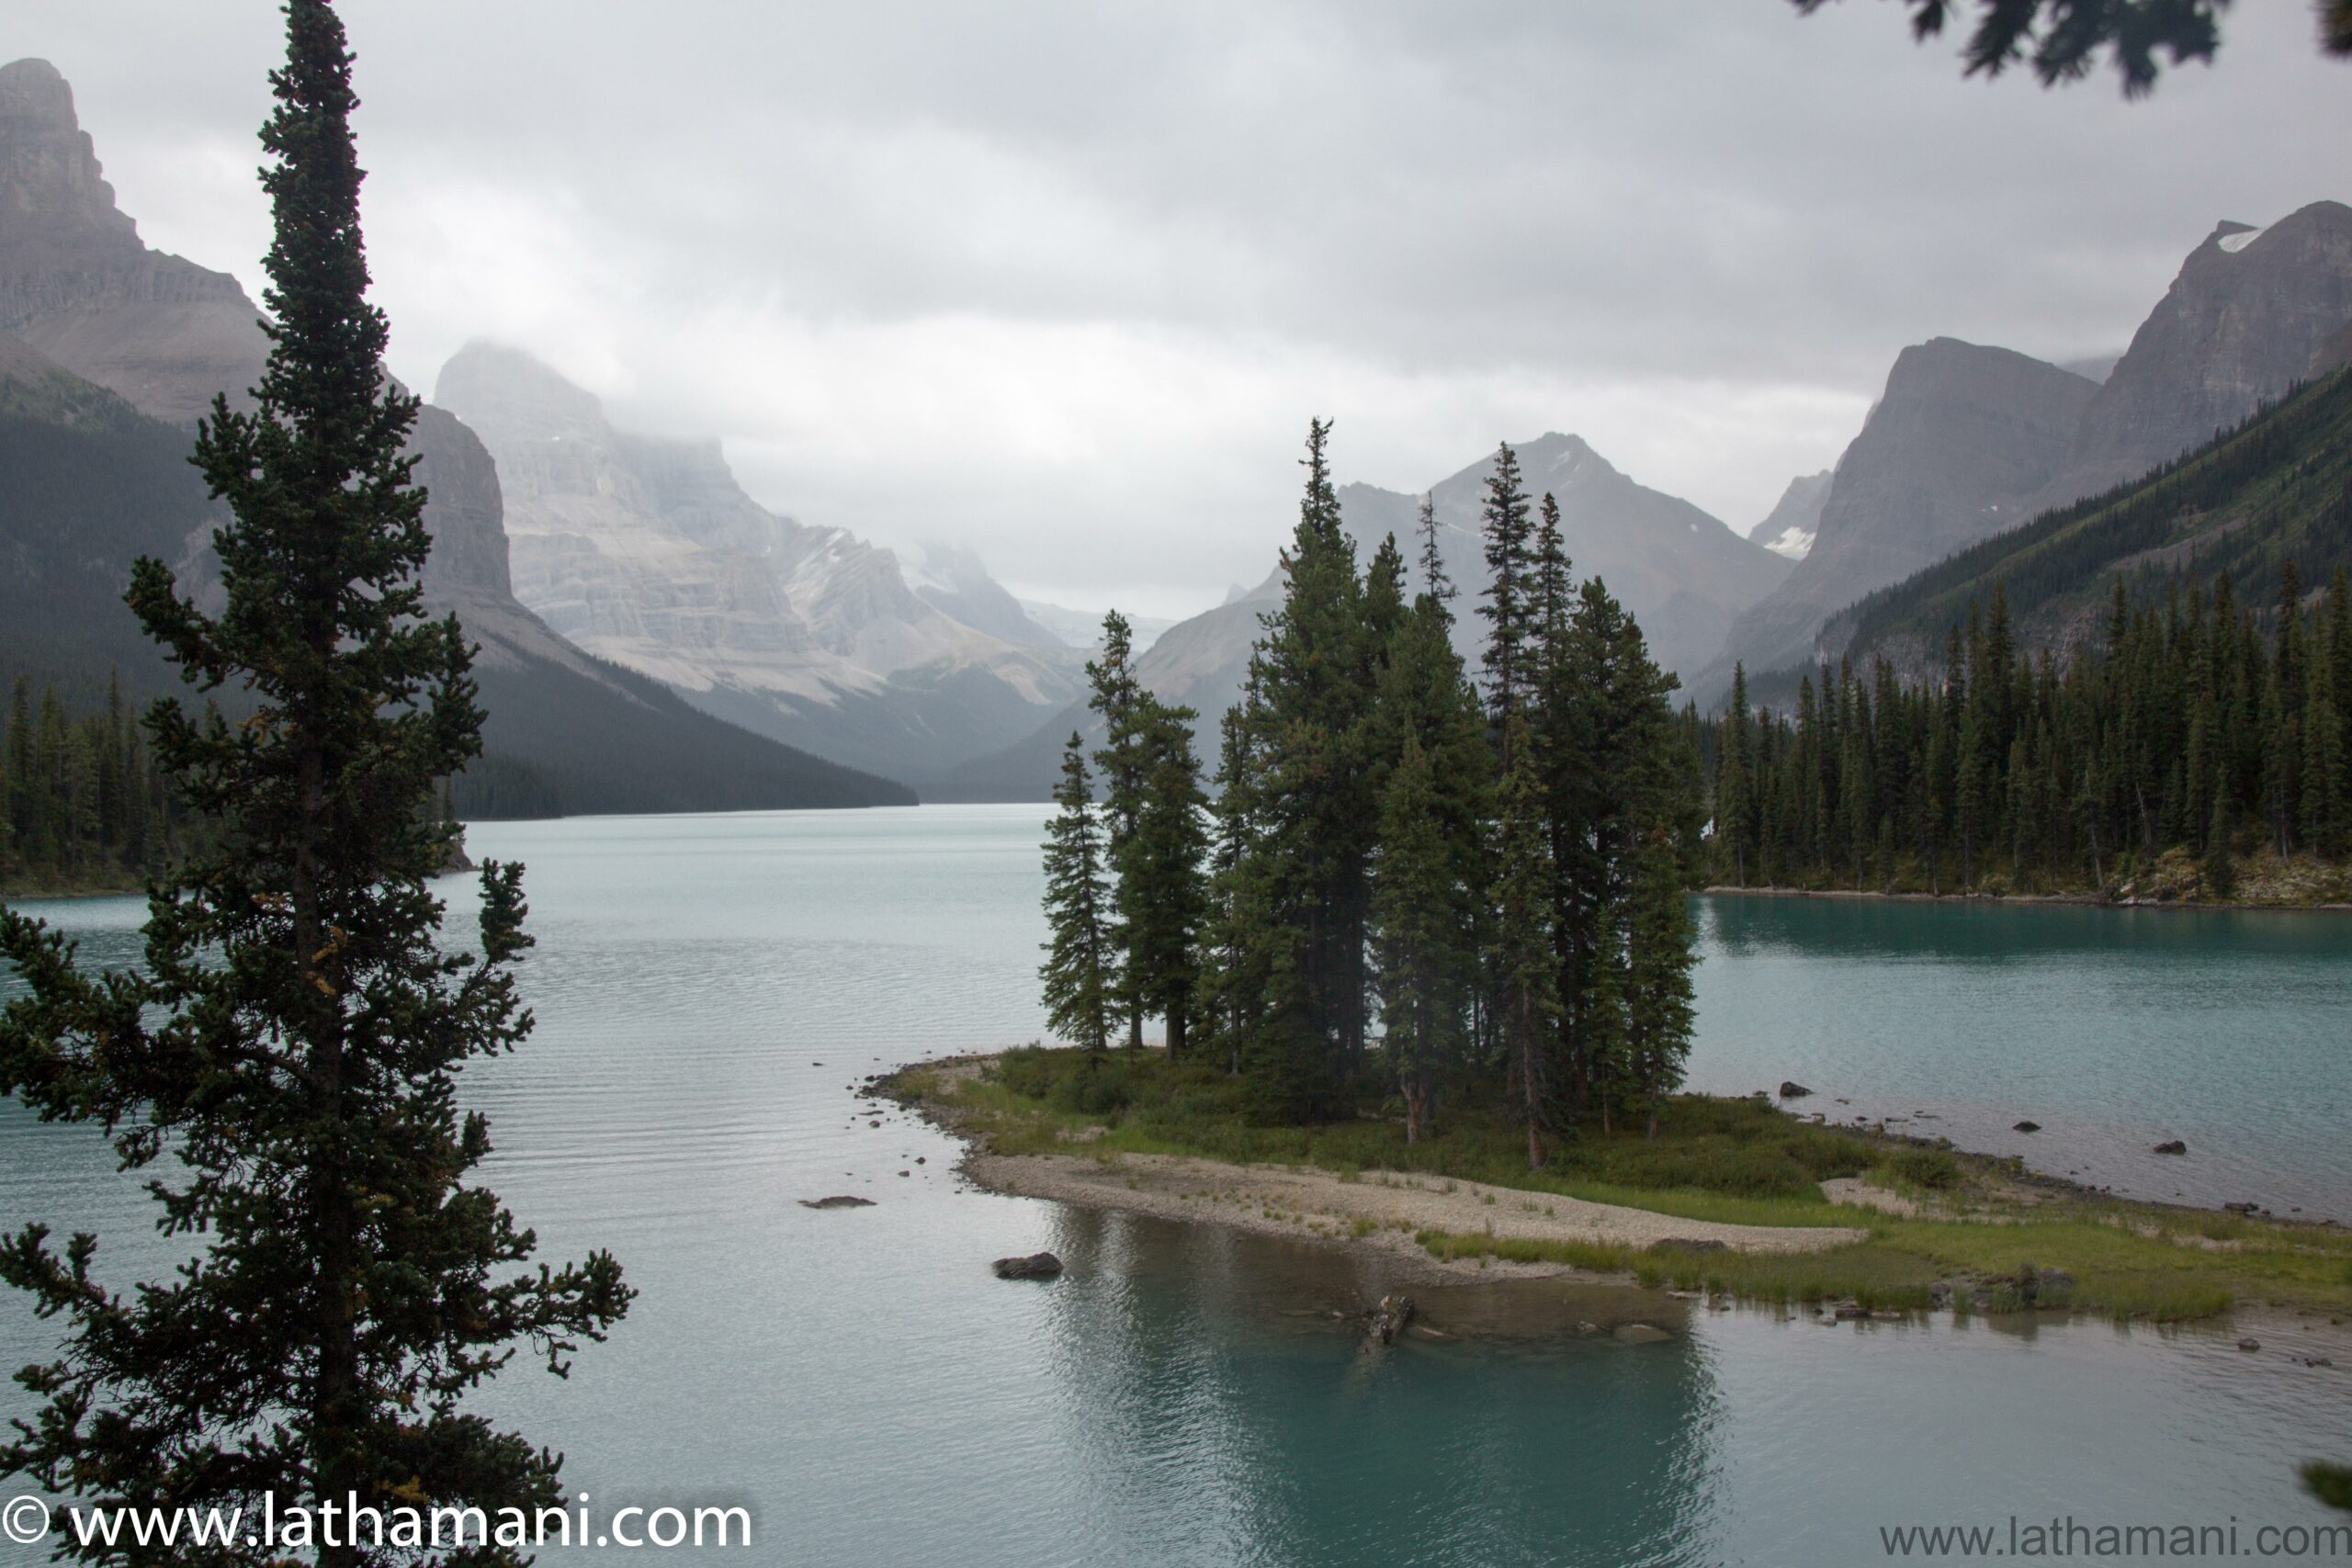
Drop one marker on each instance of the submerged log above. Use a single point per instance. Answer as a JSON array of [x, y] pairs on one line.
[[1387, 1321]]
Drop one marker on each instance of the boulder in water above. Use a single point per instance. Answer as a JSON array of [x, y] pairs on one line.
[[1791, 1090], [1036, 1266]]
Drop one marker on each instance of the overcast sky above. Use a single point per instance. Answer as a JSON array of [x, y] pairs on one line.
[[1065, 281]]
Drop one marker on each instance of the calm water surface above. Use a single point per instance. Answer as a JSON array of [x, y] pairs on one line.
[[708, 988]]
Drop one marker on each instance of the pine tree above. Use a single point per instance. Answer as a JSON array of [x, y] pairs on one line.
[[1309, 722], [1234, 947], [1734, 781], [1525, 966], [1117, 697], [294, 1035], [1162, 877], [1431, 868], [1434, 581], [1660, 957], [1511, 604], [1420, 937], [1081, 977]]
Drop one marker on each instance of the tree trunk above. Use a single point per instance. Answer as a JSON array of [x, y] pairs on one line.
[[334, 1390], [1531, 1081]]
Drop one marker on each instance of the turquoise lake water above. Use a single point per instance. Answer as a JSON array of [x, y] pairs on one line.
[[708, 990]]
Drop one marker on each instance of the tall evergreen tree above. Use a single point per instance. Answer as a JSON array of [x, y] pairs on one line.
[[1734, 781], [1525, 967], [1660, 957], [1234, 947], [294, 1035], [1162, 874], [1080, 973], [1118, 698], [1510, 591], [1309, 721], [1431, 870], [1422, 940]]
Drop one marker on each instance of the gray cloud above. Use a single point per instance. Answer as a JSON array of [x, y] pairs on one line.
[[1064, 281]]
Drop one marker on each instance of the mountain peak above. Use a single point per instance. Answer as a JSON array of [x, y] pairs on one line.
[[497, 388], [51, 193], [2250, 311], [1554, 462]]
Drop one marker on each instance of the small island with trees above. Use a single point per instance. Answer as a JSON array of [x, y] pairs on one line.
[[1422, 945]]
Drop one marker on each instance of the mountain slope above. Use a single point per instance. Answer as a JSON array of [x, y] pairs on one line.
[[952, 582], [112, 349], [647, 552], [1962, 439], [1680, 571], [2239, 326], [2251, 312], [2277, 488]]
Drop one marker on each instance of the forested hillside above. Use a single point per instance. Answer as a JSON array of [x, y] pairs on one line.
[[2277, 488]]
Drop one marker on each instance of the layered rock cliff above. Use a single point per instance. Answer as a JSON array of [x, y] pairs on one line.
[[2245, 320], [649, 553], [80, 294], [1958, 446]]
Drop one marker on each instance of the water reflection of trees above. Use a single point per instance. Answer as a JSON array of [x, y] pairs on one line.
[[1213, 1416]]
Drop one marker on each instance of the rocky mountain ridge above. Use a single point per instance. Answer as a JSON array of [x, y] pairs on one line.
[[1971, 441], [1960, 442]]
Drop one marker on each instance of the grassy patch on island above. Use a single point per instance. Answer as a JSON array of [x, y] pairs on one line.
[[1738, 1161]]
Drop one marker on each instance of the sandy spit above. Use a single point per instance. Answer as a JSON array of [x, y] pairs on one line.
[[1378, 1210]]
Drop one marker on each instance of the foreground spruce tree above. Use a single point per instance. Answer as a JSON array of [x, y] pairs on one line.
[[294, 1035]]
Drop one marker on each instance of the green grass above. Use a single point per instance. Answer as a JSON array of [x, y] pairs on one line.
[[1737, 1161]]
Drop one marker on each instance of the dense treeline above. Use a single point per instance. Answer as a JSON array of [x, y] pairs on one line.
[[1409, 884], [2201, 726], [85, 806]]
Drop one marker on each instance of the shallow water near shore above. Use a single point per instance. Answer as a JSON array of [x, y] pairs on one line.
[[709, 989]]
